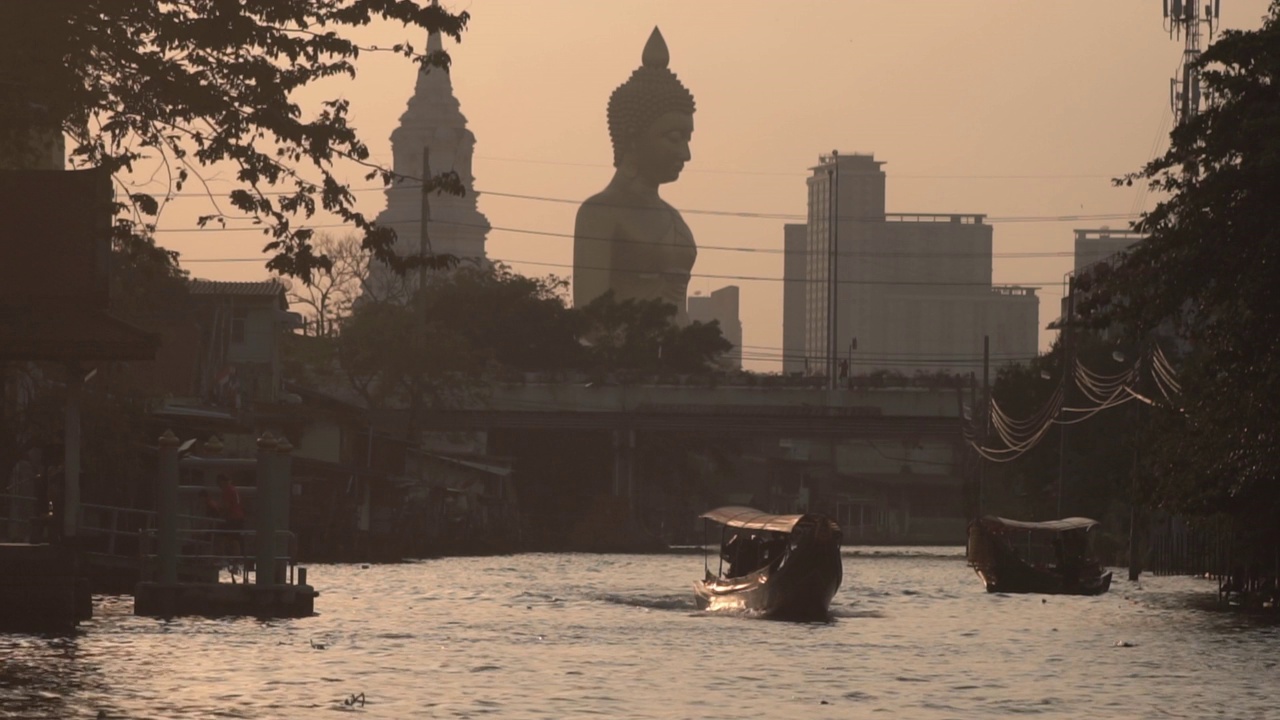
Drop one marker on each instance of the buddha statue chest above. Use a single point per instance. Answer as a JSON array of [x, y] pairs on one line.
[[654, 253]]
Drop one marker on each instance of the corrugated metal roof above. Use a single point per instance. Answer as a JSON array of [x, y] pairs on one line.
[[260, 288], [752, 519], [1071, 523]]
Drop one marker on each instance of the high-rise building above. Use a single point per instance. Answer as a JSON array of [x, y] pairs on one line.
[[905, 292], [793, 298], [1094, 245], [433, 121], [721, 305]]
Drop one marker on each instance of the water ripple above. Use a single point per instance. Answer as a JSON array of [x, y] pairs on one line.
[[912, 634]]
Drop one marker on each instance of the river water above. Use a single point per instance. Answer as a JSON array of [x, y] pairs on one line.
[[576, 636]]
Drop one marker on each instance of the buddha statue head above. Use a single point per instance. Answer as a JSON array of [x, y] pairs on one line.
[[651, 118]]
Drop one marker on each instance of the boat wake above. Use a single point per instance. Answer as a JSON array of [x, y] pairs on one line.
[[849, 613], [864, 552], [652, 602]]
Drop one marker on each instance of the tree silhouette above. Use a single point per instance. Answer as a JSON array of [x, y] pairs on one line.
[[190, 84]]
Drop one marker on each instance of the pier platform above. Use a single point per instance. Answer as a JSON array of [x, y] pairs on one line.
[[159, 599]]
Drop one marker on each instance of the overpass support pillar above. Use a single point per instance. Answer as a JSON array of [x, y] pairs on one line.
[[624, 448]]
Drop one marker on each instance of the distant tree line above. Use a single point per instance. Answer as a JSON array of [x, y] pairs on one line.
[[399, 345]]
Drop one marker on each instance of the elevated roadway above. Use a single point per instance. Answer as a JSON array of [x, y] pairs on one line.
[[778, 411]]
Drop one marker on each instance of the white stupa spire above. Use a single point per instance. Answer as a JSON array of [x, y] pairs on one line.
[[433, 119]]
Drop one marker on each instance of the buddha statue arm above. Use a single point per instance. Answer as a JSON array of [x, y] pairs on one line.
[[593, 259]]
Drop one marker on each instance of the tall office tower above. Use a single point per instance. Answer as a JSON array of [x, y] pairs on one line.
[[907, 292]]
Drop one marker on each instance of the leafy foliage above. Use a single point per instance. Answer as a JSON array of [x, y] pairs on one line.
[[640, 336], [1210, 271], [451, 338], [516, 322], [402, 356], [198, 83]]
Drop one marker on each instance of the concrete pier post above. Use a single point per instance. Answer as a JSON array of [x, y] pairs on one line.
[[284, 489], [619, 462], [167, 508], [629, 475], [264, 511], [71, 453]]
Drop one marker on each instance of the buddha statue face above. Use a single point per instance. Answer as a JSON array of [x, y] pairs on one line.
[[659, 151], [651, 118]]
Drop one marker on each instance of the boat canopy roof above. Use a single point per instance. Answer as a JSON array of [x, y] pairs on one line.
[[1071, 523], [751, 519]]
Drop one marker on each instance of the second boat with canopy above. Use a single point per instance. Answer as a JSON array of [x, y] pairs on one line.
[[1054, 556]]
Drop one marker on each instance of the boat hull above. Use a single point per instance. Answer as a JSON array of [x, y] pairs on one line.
[[1046, 582], [799, 586]]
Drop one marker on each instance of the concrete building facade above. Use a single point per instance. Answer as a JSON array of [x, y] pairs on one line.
[[794, 289], [1092, 246], [721, 305], [911, 292]]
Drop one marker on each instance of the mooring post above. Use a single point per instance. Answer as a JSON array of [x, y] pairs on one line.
[[71, 454], [631, 467], [618, 463], [264, 511], [167, 508], [283, 487]]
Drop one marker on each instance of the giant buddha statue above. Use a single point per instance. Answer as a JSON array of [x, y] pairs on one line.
[[627, 239]]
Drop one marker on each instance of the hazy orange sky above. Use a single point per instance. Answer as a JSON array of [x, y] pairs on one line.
[[1020, 109]]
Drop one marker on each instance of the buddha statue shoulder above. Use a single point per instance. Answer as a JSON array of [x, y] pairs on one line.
[[627, 238]]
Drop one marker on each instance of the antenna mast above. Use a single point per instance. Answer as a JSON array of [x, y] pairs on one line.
[[1183, 18]]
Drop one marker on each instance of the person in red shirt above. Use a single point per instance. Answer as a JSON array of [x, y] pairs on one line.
[[232, 512]]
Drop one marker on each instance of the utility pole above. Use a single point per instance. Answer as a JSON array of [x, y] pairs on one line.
[[1183, 18], [986, 415], [833, 263], [1068, 378], [424, 239], [1135, 560]]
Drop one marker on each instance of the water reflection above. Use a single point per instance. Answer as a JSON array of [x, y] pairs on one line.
[[912, 634], [44, 674]]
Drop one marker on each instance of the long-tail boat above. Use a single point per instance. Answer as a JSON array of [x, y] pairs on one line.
[[780, 566], [1051, 557]]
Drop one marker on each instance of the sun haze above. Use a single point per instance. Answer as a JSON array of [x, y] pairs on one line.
[[1023, 111]]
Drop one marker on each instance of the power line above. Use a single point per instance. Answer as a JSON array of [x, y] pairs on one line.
[[696, 211], [800, 174], [714, 276], [768, 251], [707, 276], [759, 278], [913, 176], [715, 248]]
